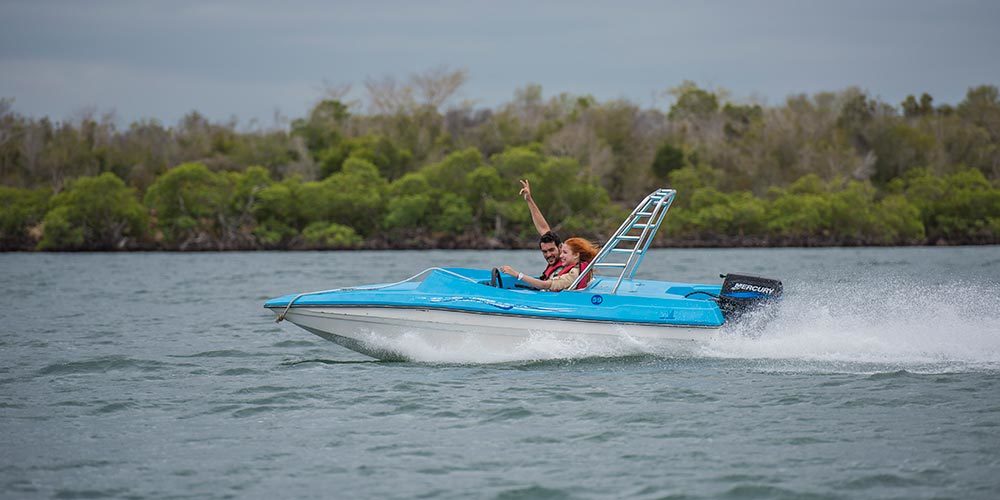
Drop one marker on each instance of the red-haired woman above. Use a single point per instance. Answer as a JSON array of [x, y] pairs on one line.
[[576, 254]]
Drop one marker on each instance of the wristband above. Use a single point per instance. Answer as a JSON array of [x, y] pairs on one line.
[[520, 276]]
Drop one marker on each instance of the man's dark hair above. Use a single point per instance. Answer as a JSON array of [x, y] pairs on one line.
[[550, 237]]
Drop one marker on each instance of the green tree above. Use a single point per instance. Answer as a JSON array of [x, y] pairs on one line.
[[714, 216], [899, 148], [517, 162], [322, 129], [799, 217], [23, 209], [852, 217], [740, 119], [410, 184], [94, 213], [279, 213], [455, 215], [330, 235], [963, 206], [409, 211], [238, 221], [668, 158], [188, 202], [898, 222], [914, 109], [352, 197], [391, 160], [687, 180], [484, 190], [982, 108], [857, 114], [692, 102], [451, 173]]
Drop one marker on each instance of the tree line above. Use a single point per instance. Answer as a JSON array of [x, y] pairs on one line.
[[407, 168]]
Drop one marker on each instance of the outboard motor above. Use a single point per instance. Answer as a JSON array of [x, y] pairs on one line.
[[745, 294]]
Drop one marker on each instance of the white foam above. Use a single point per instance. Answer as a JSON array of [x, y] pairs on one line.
[[894, 323], [538, 346]]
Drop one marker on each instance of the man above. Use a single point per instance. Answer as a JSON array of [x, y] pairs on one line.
[[548, 241]]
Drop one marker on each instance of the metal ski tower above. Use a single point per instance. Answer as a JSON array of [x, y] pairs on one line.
[[626, 248]]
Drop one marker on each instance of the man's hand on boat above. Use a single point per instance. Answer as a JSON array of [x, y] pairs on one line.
[[510, 270], [529, 280]]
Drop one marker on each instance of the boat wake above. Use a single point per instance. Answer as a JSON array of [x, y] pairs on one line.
[[539, 346], [876, 324], [848, 326]]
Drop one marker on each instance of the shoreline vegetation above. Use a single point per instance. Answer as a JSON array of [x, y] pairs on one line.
[[407, 169]]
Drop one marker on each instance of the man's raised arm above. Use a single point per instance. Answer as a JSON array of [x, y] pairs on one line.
[[536, 215]]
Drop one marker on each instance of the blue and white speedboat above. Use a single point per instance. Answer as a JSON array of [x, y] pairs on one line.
[[455, 308]]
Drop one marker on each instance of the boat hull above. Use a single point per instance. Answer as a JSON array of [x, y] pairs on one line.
[[424, 333]]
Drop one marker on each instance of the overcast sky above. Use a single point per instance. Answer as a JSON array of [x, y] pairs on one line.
[[249, 58]]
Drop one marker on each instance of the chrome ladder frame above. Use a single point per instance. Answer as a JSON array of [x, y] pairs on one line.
[[647, 217]]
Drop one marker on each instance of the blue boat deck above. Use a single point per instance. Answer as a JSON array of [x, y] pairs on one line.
[[637, 301]]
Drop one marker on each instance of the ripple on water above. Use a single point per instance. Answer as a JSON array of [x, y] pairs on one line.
[[294, 343], [507, 414], [532, 492], [282, 398], [448, 414], [103, 364], [223, 353], [540, 440], [600, 437], [264, 389], [304, 363], [741, 478], [73, 494], [257, 410], [897, 374], [218, 409], [681, 395], [74, 464], [565, 396], [239, 371], [755, 491], [113, 408], [880, 481], [402, 409], [20, 486]]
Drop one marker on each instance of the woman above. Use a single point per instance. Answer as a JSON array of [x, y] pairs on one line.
[[576, 254]]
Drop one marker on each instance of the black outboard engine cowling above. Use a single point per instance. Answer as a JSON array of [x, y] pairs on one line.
[[744, 294]]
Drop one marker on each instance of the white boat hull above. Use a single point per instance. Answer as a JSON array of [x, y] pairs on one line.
[[442, 335]]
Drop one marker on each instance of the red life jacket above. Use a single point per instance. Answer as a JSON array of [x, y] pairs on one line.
[[583, 269], [552, 271]]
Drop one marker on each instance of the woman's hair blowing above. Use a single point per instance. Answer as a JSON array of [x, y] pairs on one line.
[[586, 249]]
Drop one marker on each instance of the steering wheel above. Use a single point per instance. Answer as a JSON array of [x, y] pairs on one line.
[[495, 280]]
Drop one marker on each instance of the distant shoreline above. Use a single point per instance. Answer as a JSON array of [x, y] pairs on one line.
[[381, 248], [832, 169]]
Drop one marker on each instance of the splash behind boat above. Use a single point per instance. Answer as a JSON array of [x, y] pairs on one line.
[[457, 308]]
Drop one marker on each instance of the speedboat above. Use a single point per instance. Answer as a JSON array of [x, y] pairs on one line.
[[455, 308]]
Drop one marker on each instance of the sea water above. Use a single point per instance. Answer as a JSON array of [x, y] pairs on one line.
[[154, 375]]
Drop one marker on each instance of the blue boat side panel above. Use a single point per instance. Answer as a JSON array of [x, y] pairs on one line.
[[692, 290], [637, 301]]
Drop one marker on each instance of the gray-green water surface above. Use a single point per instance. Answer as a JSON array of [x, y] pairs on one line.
[[161, 376]]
